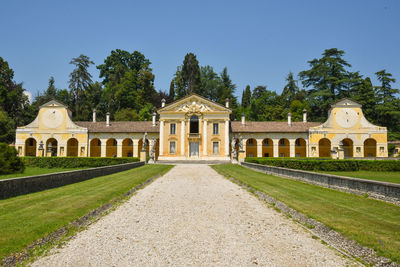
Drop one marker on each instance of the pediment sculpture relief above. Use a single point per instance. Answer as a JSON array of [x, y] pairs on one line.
[[194, 107]]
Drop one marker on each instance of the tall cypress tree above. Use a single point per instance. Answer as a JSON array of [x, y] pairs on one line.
[[246, 97], [191, 74], [290, 90]]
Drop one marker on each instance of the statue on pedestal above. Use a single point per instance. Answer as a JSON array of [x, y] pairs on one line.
[[152, 151]]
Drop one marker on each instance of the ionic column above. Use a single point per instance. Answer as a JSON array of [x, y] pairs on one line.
[[276, 147], [136, 148], [227, 137], [259, 147], [205, 137], [119, 148], [292, 148], [161, 145], [183, 138]]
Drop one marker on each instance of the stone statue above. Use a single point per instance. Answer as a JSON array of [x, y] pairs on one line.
[[234, 151], [152, 148], [144, 141], [240, 143]]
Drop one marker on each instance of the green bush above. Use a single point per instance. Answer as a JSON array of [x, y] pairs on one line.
[[313, 164], [9, 161], [74, 162]]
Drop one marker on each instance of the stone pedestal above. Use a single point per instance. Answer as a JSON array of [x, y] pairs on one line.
[[340, 153], [143, 155], [334, 154], [242, 155]]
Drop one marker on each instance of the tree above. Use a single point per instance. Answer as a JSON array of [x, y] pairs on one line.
[[12, 98], [265, 105], [209, 82], [363, 93], [126, 114], [328, 80], [49, 94], [128, 81], [191, 74], [171, 95], [385, 93], [290, 90], [7, 128], [9, 160], [258, 92], [80, 80], [246, 97]]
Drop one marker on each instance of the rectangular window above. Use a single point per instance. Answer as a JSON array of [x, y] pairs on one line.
[[215, 128], [282, 155], [172, 147], [266, 142], [215, 148], [172, 128], [251, 142], [266, 155], [297, 142], [282, 142]]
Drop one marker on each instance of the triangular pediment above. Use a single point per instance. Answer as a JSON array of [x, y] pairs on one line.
[[194, 103], [346, 102], [53, 103]]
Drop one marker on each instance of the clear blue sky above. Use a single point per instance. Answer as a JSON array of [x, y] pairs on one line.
[[258, 41]]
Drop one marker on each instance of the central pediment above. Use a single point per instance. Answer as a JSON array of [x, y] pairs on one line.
[[194, 104]]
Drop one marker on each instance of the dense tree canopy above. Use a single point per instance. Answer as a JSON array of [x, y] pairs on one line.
[[127, 91]]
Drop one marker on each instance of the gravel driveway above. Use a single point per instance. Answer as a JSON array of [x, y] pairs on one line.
[[193, 216]]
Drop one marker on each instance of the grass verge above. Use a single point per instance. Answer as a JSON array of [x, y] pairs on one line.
[[371, 223], [27, 218], [30, 171], [391, 177]]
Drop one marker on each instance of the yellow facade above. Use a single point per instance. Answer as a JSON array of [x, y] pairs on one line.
[[195, 128]]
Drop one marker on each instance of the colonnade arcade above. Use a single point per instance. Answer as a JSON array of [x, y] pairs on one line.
[[98, 147], [120, 147], [254, 147], [274, 147]]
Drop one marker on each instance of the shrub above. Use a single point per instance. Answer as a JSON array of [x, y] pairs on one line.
[[9, 161], [313, 164], [74, 162]]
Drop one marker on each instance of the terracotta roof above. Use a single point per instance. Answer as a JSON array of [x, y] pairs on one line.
[[119, 126], [271, 127]]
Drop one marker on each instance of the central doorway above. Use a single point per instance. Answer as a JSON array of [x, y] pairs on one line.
[[194, 149]]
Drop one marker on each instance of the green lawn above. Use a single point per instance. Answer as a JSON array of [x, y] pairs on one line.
[[26, 218], [391, 177], [367, 221], [30, 171]]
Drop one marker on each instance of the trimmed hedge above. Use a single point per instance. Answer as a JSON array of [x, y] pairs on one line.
[[74, 162], [9, 161], [329, 164]]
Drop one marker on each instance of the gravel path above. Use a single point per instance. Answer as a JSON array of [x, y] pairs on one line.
[[193, 216]]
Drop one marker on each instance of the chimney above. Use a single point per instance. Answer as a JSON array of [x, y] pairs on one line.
[[243, 119], [163, 102], [94, 115], [305, 115], [154, 118], [108, 119], [227, 102], [289, 119]]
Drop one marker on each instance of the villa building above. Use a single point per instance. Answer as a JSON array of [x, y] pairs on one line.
[[198, 128]]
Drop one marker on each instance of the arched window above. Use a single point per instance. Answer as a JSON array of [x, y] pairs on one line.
[[194, 124]]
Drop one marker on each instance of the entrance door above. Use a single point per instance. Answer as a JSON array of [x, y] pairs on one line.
[[194, 149]]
